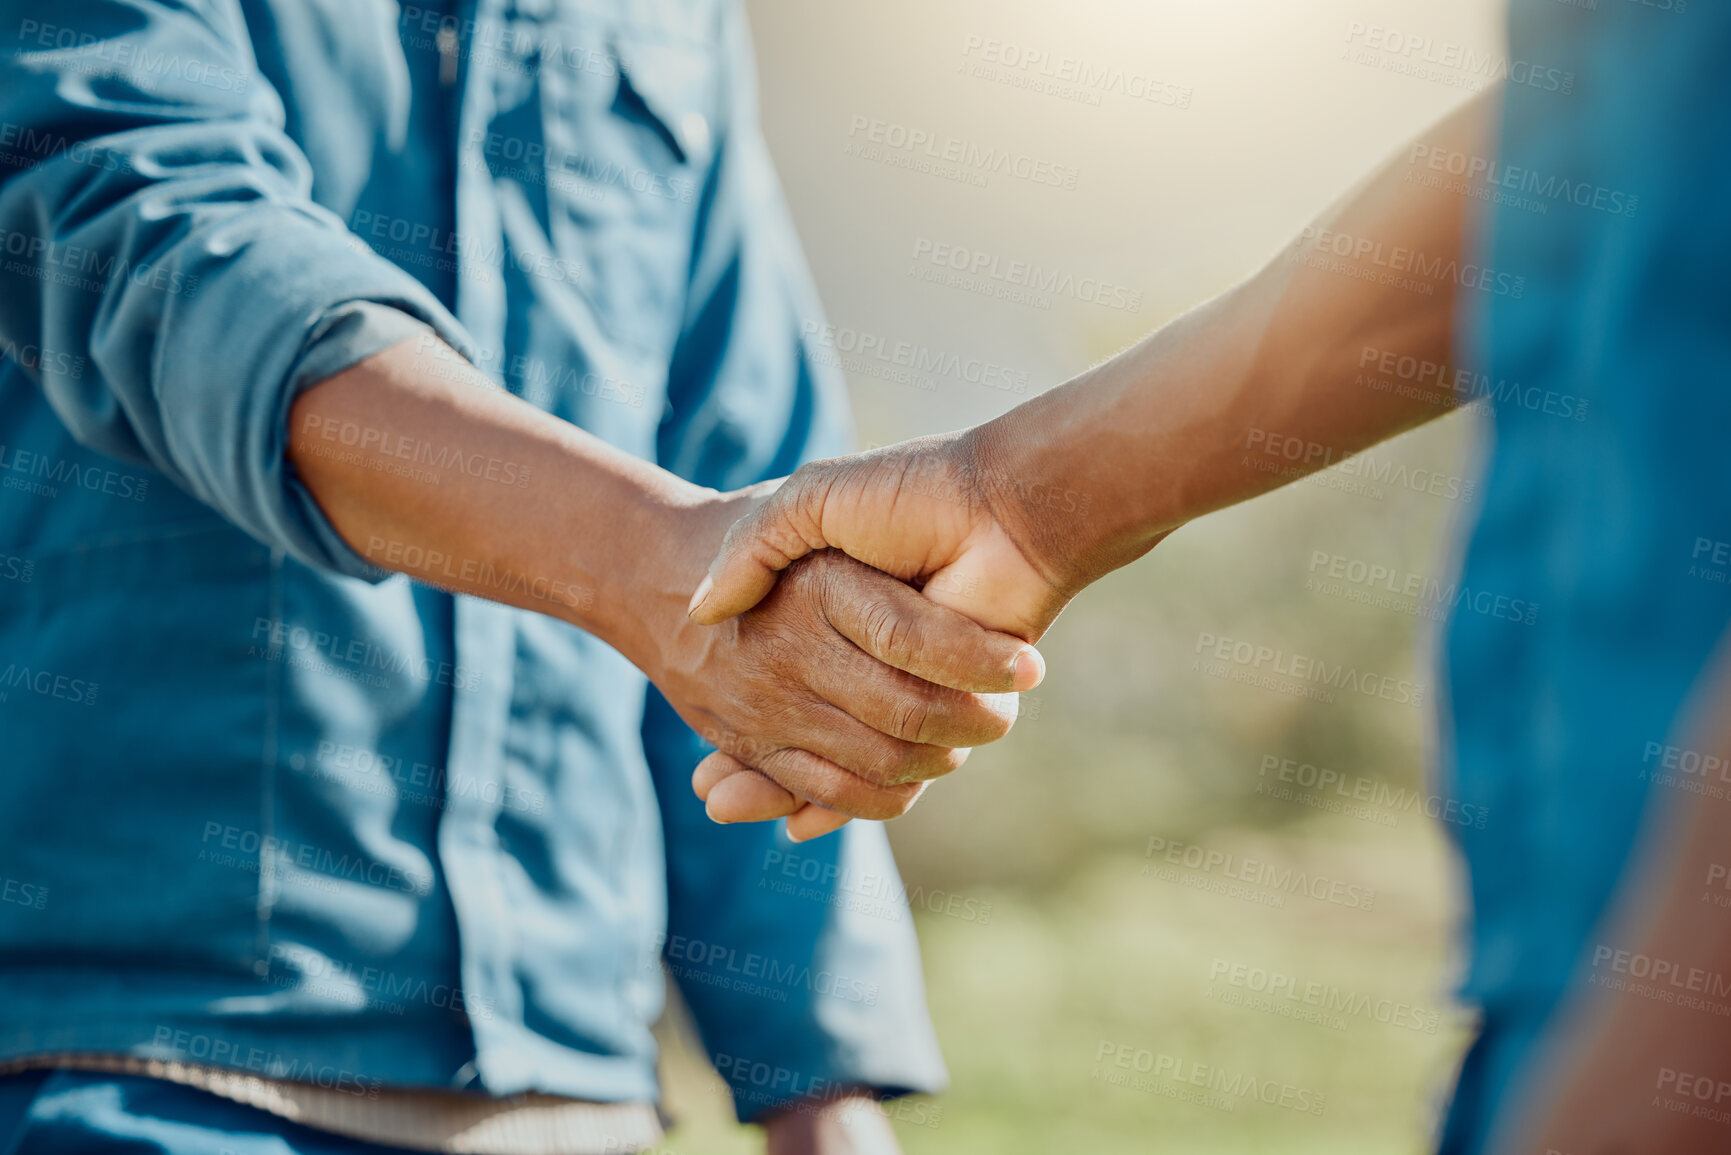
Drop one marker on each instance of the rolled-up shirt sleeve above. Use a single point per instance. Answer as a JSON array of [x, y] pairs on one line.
[[157, 223]]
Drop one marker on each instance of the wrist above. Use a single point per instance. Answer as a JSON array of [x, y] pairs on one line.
[[1063, 474], [1032, 494], [664, 549]]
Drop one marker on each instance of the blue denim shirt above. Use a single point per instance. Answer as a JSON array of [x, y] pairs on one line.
[[1605, 499], [261, 808]]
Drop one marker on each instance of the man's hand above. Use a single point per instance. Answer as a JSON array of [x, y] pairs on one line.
[[928, 511], [840, 668], [932, 512], [848, 1125]]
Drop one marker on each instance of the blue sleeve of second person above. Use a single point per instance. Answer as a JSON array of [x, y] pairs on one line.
[[799, 961]]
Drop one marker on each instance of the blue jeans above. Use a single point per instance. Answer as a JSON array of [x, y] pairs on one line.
[[81, 1113]]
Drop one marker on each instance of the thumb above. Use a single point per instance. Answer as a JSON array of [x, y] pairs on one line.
[[755, 551]]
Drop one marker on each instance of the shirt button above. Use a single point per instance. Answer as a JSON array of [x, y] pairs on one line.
[[695, 129]]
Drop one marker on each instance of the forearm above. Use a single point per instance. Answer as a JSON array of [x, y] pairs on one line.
[[425, 468], [1253, 389]]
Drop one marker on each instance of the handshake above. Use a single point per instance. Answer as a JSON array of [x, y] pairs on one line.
[[893, 597], [864, 623]]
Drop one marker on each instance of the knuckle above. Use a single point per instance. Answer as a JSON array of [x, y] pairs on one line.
[[878, 803], [890, 763], [894, 635], [912, 714], [907, 764]]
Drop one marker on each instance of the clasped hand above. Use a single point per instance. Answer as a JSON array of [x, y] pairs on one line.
[[842, 686], [926, 513]]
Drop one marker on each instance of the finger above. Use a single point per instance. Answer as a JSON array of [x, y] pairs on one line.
[[813, 821], [749, 797], [712, 770], [836, 736], [736, 793], [897, 624], [912, 709], [809, 776], [757, 548]]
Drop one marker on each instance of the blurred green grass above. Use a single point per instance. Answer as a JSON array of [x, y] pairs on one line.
[[1128, 741]]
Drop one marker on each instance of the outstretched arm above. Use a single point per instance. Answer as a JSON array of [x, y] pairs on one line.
[[813, 686], [1008, 521]]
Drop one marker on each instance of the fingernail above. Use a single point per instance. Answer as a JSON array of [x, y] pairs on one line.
[[704, 588], [1029, 669]]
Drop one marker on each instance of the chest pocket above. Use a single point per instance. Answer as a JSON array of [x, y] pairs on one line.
[[627, 119]]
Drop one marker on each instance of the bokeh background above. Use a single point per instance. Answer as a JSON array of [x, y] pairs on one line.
[[1060, 942]]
